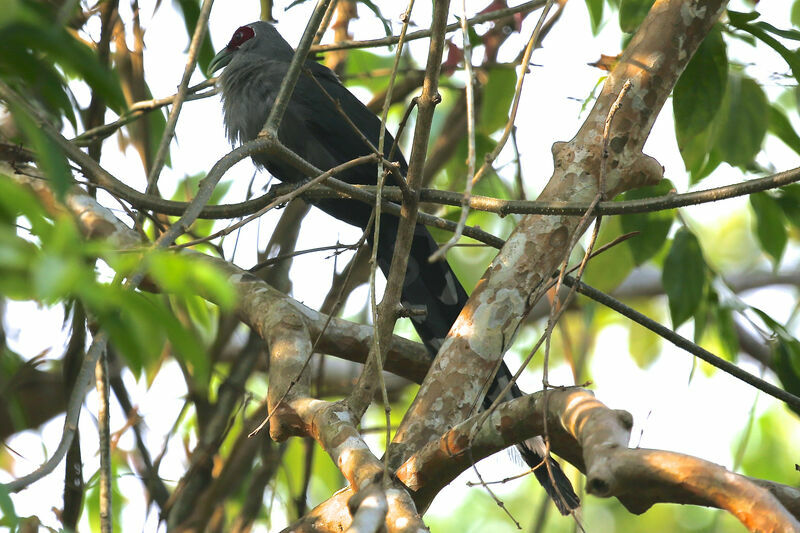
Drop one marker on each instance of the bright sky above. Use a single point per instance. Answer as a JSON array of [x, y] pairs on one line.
[[670, 412]]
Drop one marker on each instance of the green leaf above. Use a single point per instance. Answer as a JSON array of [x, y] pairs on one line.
[[780, 126], [787, 364], [702, 314], [726, 329], [713, 160], [42, 84], [28, 29], [16, 200], [475, 40], [186, 276], [793, 35], [714, 328], [786, 354], [795, 15], [743, 18], [770, 225], [9, 518], [595, 8], [48, 155], [55, 277], [653, 227], [789, 200], [699, 154], [643, 344], [186, 343], [684, 276], [387, 27], [456, 169], [742, 21], [199, 311], [360, 62], [699, 91], [498, 94], [632, 13], [213, 284], [743, 120]]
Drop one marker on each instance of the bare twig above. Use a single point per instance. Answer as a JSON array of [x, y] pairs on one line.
[[524, 66], [376, 351], [387, 311], [284, 198], [172, 120], [293, 72], [141, 108], [685, 344], [470, 101], [388, 41], [103, 427], [365, 193]]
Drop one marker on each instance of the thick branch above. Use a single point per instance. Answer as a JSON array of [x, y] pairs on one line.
[[653, 61], [595, 440]]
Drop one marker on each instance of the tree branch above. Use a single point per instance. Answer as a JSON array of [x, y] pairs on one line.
[[595, 440], [653, 61]]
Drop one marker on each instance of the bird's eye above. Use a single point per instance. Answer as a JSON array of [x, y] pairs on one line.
[[242, 35]]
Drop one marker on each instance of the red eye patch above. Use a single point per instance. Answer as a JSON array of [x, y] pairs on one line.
[[240, 36]]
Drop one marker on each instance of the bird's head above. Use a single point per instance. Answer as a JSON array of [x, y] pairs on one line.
[[257, 38]]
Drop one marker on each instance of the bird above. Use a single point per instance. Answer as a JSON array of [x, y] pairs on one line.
[[255, 61]]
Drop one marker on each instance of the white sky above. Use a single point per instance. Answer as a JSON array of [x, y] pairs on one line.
[[669, 411]]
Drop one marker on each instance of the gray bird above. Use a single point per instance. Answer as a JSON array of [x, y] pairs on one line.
[[256, 60]]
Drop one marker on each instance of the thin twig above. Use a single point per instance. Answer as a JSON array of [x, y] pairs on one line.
[[143, 107], [512, 117], [684, 343], [172, 120], [100, 340], [402, 126], [323, 25], [421, 34], [562, 305], [361, 397], [278, 109], [376, 351], [328, 320], [103, 428], [338, 248], [488, 489], [470, 94], [284, 198]]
